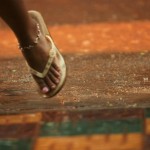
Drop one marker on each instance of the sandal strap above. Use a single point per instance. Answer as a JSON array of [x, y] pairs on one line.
[[52, 54]]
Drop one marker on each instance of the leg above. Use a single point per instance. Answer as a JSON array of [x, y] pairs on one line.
[[14, 13]]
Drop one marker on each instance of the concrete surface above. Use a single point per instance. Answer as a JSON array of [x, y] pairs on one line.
[[94, 81]]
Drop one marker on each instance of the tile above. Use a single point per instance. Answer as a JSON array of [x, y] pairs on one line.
[[20, 118], [59, 116], [147, 112], [19, 131], [147, 126], [16, 144], [147, 142], [92, 127], [94, 142]]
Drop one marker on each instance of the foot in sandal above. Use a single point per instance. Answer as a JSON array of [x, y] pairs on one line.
[[45, 62]]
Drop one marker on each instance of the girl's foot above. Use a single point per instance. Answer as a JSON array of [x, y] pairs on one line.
[[37, 58]]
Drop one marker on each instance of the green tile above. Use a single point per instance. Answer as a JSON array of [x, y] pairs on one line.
[[120, 126], [147, 113], [96, 127], [16, 144]]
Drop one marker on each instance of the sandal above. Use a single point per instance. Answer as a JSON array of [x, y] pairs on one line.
[[52, 53]]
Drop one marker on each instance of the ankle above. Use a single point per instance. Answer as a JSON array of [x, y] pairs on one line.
[[32, 38], [28, 35]]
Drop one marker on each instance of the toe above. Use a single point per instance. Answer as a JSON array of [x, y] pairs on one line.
[[42, 84], [55, 72], [50, 83], [53, 78], [56, 67]]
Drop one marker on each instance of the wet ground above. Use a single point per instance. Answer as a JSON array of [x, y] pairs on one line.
[[105, 102]]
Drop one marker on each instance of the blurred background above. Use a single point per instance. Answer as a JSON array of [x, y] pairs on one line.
[[105, 102]]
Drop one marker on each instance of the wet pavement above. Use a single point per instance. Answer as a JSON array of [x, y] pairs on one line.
[[105, 103]]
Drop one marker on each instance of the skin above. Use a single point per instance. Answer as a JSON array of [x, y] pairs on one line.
[[14, 13]]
